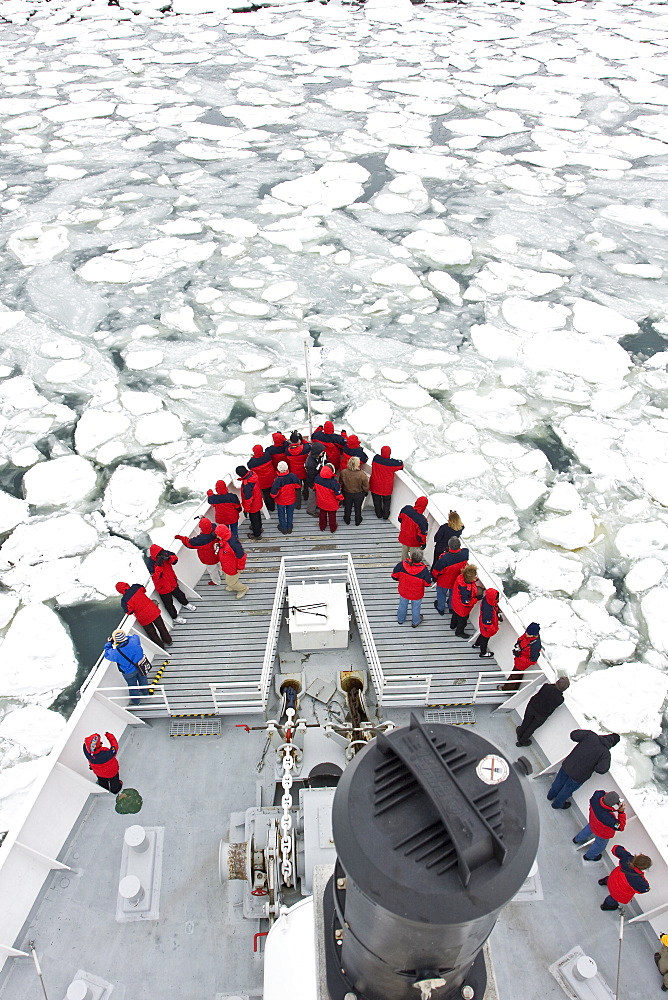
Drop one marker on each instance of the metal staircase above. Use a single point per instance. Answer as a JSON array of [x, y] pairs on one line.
[[222, 660]]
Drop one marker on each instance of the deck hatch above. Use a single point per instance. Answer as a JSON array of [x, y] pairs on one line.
[[195, 727]]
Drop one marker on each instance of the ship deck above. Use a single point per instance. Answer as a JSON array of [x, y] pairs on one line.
[[201, 948], [225, 639]]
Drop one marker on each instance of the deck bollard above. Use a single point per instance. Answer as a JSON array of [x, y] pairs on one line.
[[584, 968], [78, 990], [130, 889], [136, 839]]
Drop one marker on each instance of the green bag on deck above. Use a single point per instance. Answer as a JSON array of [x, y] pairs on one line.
[[128, 800]]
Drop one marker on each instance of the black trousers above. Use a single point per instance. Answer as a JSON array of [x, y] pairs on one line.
[[256, 521], [481, 642], [381, 505], [168, 601], [459, 623], [351, 500], [528, 726], [111, 784], [269, 501], [303, 492], [158, 632]]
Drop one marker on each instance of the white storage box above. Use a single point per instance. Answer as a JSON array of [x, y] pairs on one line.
[[318, 616]]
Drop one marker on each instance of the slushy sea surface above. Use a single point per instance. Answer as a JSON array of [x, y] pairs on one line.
[[464, 206]]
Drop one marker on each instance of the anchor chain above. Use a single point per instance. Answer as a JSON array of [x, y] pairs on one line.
[[287, 868]]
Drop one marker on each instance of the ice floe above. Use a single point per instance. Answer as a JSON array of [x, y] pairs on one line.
[[467, 215], [38, 658]]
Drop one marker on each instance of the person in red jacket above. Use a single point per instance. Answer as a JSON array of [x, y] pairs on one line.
[[232, 560], [102, 761], [333, 442], [160, 565], [298, 451], [381, 481], [285, 491], [626, 879], [526, 652], [135, 601], [251, 500], [607, 816], [328, 496], [226, 506], [414, 578], [352, 449], [277, 449], [488, 620], [261, 463], [445, 571], [464, 598], [413, 526], [206, 544]]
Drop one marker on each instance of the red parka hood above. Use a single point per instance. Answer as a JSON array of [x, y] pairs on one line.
[[92, 742], [223, 532], [278, 438], [353, 441], [221, 486], [205, 525], [421, 504], [155, 551], [326, 472], [258, 451], [122, 587], [385, 451], [328, 427], [413, 568], [492, 596]]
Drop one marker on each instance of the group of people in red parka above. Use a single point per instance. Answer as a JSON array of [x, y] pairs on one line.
[[458, 589], [325, 471]]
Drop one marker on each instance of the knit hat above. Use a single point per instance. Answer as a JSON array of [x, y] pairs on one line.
[[241, 471], [328, 427], [118, 637], [533, 629], [421, 504], [664, 940], [282, 467], [611, 798]]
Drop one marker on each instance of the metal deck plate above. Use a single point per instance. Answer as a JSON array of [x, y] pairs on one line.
[[458, 715], [195, 727]]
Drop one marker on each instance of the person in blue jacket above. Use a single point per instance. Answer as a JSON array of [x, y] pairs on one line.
[[126, 652]]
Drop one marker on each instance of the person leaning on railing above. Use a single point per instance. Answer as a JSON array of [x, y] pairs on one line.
[[539, 709], [626, 879], [525, 652]]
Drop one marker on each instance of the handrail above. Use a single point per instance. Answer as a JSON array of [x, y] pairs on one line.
[[135, 694], [407, 685], [248, 697], [272, 638], [366, 635]]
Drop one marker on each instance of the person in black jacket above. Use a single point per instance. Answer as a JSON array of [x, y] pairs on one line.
[[592, 753], [539, 709], [452, 528]]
